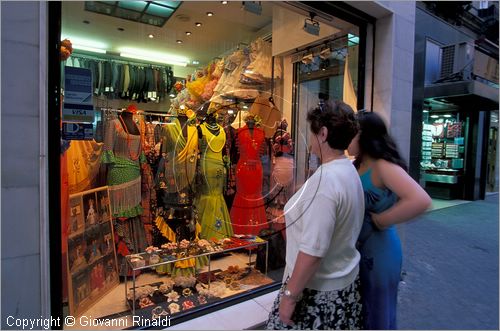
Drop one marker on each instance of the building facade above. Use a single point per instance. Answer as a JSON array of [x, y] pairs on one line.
[[31, 216]]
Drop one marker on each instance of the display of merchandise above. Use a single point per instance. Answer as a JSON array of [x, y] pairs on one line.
[[214, 216], [248, 212], [177, 293], [126, 80], [437, 150], [454, 130], [451, 151]]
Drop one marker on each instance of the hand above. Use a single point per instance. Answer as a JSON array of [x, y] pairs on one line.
[[376, 221], [287, 307]]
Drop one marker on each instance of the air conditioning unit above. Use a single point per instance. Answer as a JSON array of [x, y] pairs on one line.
[[457, 61]]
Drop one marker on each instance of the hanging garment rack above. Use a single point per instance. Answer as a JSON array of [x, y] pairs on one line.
[[118, 60], [139, 112]]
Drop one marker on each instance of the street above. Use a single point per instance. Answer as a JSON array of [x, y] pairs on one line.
[[450, 268]]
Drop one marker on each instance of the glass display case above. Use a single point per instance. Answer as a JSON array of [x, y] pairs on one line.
[[194, 274]]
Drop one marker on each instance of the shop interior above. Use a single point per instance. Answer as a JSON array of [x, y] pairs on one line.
[[176, 168]]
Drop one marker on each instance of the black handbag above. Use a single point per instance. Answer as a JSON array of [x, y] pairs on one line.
[[276, 251]]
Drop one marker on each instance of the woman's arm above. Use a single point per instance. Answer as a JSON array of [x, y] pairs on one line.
[[413, 200], [305, 267]]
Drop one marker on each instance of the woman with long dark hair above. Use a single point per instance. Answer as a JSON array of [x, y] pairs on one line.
[[391, 197]]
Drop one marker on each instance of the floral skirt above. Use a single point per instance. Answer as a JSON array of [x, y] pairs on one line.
[[322, 310]]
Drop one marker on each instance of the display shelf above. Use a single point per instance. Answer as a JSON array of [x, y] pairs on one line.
[[159, 296]]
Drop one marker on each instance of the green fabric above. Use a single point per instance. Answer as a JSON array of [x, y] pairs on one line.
[[121, 170], [132, 212], [214, 217]]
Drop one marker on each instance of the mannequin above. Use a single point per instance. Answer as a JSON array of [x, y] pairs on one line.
[[248, 213], [123, 156], [214, 216], [127, 122]]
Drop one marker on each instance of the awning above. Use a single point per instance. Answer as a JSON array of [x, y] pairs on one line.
[[473, 93]]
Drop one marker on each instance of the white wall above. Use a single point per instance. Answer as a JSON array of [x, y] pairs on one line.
[[23, 89]]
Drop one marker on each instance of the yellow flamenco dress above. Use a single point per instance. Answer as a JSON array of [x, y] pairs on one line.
[[179, 175], [214, 216]]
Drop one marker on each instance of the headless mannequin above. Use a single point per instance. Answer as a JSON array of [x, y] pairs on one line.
[[211, 122], [127, 120]]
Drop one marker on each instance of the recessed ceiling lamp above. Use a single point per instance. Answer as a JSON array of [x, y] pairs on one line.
[[447, 115], [209, 13], [151, 36], [197, 24], [141, 54], [434, 116], [196, 62], [224, 2], [179, 41], [188, 33]]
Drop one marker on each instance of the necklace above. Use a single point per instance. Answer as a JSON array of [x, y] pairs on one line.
[[132, 157], [216, 149], [213, 127]]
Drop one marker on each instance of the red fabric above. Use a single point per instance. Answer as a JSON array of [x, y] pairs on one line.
[[248, 214]]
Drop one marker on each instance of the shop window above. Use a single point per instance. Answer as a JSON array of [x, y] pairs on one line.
[[443, 153], [178, 159]]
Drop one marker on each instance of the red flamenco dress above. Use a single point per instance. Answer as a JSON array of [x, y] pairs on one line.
[[248, 213]]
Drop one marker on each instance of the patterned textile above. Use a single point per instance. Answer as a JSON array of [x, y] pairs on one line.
[[322, 310]]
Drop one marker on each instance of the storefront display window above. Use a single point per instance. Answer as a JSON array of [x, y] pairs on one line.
[[443, 152], [178, 155]]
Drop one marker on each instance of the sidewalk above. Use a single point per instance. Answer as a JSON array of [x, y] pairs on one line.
[[451, 268]]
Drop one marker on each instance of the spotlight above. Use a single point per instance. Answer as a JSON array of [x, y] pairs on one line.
[[209, 13], [325, 54], [311, 26], [224, 2], [197, 24], [179, 41], [307, 58], [188, 33], [253, 7]]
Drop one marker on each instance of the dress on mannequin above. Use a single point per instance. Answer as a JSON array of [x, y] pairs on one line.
[[248, 213], [214, 216], [123, 155]]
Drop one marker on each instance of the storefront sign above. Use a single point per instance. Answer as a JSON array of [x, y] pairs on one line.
[[77, 86], [78, 105], [77, 131], [78, 113]]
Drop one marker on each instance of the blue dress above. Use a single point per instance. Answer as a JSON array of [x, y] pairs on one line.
[[381, 258]]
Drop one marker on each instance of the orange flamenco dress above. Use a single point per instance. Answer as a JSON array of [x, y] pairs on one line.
[[248, 213]]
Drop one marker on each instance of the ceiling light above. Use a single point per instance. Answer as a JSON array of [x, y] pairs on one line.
[[224, 2], [447, 115], [188, 33], [179, 41], [88, 45], [209, 13], [171, 95], [425, 111], [197, 24], [141, 54], [434, 116], [89, 49], [311, 26], [196, 62], [151, 36]]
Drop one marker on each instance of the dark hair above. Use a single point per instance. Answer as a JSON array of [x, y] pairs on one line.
[[375, 141], [339, 118]]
